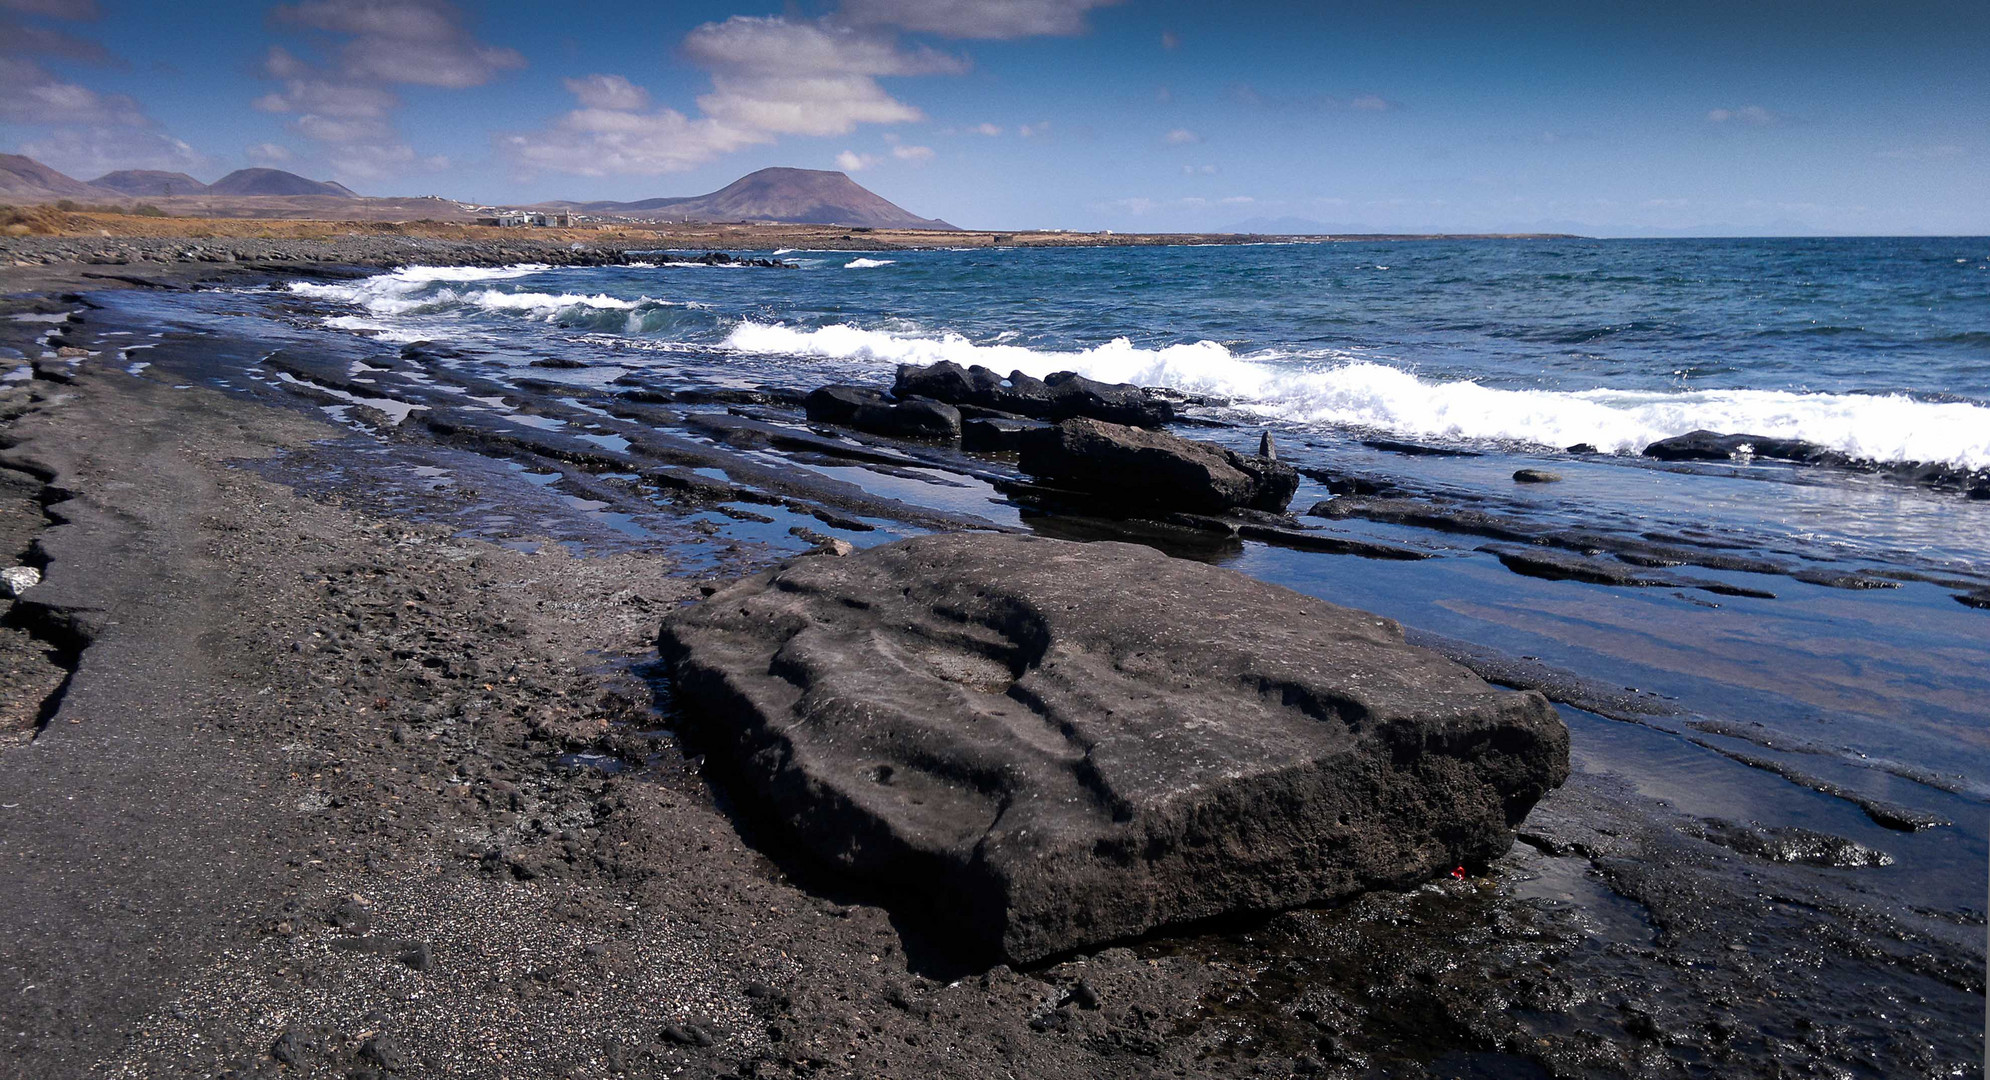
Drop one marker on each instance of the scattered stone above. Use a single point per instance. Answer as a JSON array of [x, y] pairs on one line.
[[293, 1047], [1978, 599], [559, 362], [351, 915], [1043, 742], [16, 580], [1135, 468], [1266, 448], [385, 1052], [1083, 996], [1536, 476], [687, 1034], [1581, 448]]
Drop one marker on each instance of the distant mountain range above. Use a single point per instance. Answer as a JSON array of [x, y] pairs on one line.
[[793, 196], [23, 179]]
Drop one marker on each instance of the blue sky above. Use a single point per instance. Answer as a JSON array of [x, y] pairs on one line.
[[1605, 118]]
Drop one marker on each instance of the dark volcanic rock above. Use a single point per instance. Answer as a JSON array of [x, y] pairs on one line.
[[1133, 468], [1055, 744], [1060, 397], [913, 418], [1535, 476], [868, 410], [990, 435], [838, 404], [1706, 445], [1116, 403]]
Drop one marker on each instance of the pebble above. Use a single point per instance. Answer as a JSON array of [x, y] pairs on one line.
[[16, 580]]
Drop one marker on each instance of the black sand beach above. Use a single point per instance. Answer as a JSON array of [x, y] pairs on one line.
[[350, 754]]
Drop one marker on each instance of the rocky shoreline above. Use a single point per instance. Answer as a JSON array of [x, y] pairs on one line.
[[413, 803]]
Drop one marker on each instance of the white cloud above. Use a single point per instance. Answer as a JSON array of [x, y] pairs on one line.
[[43, 43], [418, 42], [851, 161], [1237, 200], [990, 130], [912, 153], [84, 132], [608, 92], [771, 77], [1031, 131], [1372, 103], [1170, 40], [87, 152], [347, 104], [1181, 137], [1200, 170], [1752, 115], [30, 94], [985, 19], [269, 153], [610, 142]]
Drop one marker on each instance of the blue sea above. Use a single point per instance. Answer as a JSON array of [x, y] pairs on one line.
[[1851, 674], [1876, 347]]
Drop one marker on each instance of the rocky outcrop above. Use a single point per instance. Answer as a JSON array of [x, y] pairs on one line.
[[1703, 445], [1047, 745], [1130, 468], [868, 410], [1060, 397]]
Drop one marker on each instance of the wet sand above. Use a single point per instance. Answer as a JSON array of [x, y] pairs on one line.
[[357, 764]]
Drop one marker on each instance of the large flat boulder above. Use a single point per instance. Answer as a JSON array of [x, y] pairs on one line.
[[1047, 745], [1133, 468]]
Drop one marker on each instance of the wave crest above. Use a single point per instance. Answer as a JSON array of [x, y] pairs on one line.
[[1348, 391]]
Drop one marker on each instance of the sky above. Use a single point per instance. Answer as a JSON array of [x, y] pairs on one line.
[[1601, 117]]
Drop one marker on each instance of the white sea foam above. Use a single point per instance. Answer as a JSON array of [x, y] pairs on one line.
[[1347, 391], [866, 264], [427, 290]]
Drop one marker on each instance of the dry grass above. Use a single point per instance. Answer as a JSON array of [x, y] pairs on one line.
[[104, 222]]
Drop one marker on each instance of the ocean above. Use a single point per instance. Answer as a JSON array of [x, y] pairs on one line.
[[1789, 645]]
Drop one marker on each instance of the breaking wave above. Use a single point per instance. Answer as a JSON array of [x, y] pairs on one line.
[[424, 290], [1348, 391], [866, 264]]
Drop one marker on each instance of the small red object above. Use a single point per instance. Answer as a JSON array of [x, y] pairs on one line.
[[1459, 873]]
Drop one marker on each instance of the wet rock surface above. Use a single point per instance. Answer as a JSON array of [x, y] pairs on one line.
[[1039, 738], [1133, 468], [1706, 445]]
